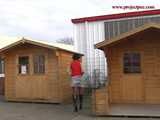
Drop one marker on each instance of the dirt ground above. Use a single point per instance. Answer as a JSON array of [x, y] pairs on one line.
[[34, 111]]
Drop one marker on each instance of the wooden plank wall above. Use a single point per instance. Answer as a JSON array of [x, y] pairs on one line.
[[54, 82], [100, 101], [65, 59], [10, 77], [152, 70]]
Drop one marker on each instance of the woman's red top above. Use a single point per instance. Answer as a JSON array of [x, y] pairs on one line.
[[76, 68]]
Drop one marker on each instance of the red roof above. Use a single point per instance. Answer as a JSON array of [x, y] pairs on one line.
[[116, 16]]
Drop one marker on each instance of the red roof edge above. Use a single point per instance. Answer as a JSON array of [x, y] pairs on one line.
[[116, 16]]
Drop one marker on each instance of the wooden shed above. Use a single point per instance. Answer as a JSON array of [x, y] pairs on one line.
[[36, 71], [133, 85]]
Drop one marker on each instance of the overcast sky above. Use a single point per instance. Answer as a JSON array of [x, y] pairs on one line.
[[51, 19]]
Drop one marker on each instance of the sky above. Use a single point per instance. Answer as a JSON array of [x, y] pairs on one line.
[[50, 20]]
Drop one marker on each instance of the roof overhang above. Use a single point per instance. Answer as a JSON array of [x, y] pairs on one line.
[[121, 37], [116, 16], [37, 43]]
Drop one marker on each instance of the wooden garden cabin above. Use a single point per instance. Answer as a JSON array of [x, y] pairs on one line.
[[133, 60], [36, 71]]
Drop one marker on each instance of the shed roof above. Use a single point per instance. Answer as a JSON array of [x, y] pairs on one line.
[[121, 37], [116, 16], [8, 42]]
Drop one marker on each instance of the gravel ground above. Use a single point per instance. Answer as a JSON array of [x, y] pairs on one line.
[[34, 111]]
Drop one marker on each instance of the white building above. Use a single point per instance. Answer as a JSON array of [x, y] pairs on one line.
[[91, 30]]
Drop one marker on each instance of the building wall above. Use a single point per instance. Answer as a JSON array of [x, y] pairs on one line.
[[65, 59], [114, 28], [32, 87], [85, 36]]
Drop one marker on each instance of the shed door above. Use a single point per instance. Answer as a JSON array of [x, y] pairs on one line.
[[132, 89], [31, 85], [132, 82]]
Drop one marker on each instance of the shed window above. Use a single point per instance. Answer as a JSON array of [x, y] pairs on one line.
[[39, 64], [1, 66], [23, 65], [132, 63]]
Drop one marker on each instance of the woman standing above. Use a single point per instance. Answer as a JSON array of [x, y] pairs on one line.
[[77, 87]]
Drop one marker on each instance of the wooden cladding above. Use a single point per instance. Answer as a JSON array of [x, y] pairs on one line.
[[131, 63], [39, 64]]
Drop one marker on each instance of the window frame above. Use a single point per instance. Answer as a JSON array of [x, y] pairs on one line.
[[134, 63], [28, 65], [40, 64], [2, 69]]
